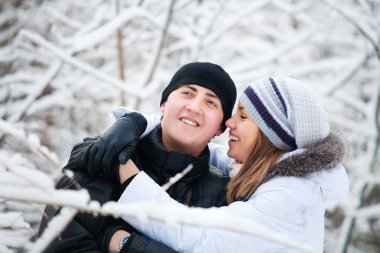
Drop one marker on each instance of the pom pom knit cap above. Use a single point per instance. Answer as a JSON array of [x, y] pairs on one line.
[[287, 111], [207, 75]]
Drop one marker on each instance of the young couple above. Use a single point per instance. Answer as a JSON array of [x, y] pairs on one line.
[[285, 170]]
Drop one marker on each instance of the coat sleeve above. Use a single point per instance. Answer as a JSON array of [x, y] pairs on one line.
[[75, 237], [85, 233], [142, 244], [272, 211]]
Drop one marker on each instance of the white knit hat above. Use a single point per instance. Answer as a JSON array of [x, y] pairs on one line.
[[287, 111]]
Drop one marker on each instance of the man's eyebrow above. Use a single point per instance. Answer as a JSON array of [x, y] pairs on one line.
[[190, 87], [210, 94]]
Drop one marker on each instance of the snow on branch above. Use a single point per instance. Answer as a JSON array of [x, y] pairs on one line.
[[205, 217], [13, 220], [37, 91], [362, 29], [26, 176], [370, 212], [79, 201], [348, 75], [292, 45], [37, 39], [61, 17], [177, 177], [249, 10], [106, 30], [53, 229], [153, 63], [32, 141], [293, 8]]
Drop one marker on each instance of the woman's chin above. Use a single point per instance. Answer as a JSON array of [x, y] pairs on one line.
[[231, 154]]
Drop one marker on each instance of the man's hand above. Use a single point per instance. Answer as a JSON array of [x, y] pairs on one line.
[[101, 155], [79, 154]]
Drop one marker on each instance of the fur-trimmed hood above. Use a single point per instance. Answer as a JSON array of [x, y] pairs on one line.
[[321, 167], [325, 155]]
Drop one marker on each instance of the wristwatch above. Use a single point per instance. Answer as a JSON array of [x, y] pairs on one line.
[[123, 241]]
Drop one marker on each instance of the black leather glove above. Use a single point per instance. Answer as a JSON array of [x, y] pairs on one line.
[[79, 154], [115, 146]]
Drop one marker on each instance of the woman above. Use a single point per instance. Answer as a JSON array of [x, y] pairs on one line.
[[287, 171]]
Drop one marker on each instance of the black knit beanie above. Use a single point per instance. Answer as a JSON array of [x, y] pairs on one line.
[[207, 75]]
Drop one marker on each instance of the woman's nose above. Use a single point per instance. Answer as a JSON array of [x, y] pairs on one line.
[[230, 123]]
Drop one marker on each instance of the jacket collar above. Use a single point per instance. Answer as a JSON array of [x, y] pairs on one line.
[[166, 163], [322, 156]]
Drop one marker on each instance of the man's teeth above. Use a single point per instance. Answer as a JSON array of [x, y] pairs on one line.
[[233, 138], [189, 122]]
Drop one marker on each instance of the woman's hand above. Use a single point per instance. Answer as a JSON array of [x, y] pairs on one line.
[[127, 170]]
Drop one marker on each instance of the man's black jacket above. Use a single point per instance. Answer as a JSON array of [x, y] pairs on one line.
[[201, 187]]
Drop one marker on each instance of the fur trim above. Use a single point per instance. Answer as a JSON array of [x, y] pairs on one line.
[[324, 155]]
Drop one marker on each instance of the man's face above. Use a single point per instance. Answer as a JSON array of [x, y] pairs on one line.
[[192, 116]]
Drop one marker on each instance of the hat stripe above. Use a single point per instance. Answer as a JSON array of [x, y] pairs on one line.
[[274, 85], [268, 118]]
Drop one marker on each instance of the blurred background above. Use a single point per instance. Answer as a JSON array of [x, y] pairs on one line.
[[64, 64]]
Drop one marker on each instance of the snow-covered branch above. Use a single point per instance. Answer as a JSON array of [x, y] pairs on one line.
[[361, 28], [54, 228], [32, 141], [35, 38]]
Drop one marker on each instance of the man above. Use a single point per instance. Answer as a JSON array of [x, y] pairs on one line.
[[195, 105]]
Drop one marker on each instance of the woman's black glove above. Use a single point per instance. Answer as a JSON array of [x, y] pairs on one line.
[[102, 154]]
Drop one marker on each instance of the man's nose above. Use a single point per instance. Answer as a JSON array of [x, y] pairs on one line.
[[194, 105]]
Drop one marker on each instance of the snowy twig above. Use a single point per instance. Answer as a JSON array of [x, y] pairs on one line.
[[152, 66], [177, 177], [74, 201], [249, 10], [370, 212], [40, 86], [106, 30], [61, 17], [349, 222], [53, 229], [344, 79], [12, 220], [293, 8], [358, 26], [28, 177], [30, 141], [35, 38], [204, 217]]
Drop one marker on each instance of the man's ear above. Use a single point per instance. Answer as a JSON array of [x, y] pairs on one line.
[[162, 107]]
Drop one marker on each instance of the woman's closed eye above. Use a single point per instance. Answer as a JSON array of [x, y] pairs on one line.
[[242, 116]]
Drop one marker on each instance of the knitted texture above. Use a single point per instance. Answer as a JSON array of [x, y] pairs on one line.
[[207, 75], [287, 111]]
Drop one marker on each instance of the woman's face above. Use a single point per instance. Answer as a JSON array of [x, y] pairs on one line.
[[243, 134]]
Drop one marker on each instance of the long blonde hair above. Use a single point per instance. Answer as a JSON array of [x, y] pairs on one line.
[[263, 155]]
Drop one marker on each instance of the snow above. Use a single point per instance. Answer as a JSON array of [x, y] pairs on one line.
[[13, 220], [59, 78]]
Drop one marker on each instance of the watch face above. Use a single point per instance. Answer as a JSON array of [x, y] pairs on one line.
[[123, 241]]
